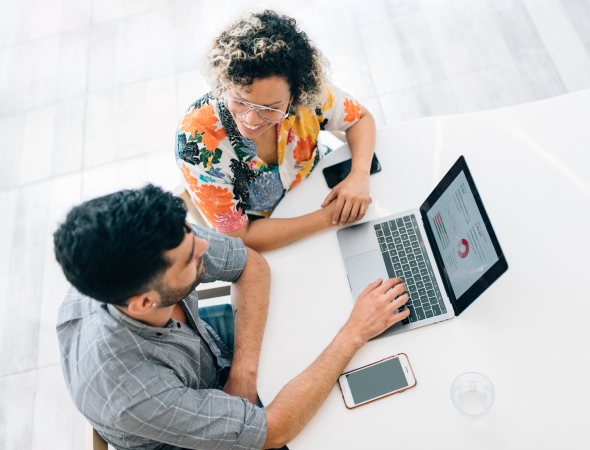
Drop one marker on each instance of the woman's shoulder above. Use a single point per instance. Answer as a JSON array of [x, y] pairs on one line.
[[207, 99], [200, 135], [317, 112], [201, 118], [338, 110], [208, 115]]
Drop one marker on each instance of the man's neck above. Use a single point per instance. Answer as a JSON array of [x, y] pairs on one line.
[[156, 317]]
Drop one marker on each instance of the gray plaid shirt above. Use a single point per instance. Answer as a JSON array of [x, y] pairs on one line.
[[148, 388]]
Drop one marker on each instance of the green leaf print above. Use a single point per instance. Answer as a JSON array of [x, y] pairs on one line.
[[198, 137], [243, 155], [208, 158]]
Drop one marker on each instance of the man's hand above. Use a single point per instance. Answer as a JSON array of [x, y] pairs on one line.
[[351, 197], [299, 400], [374, 310], [327, 213]]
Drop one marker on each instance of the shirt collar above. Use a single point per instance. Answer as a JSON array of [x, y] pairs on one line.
[[148, 330], [135, 325]]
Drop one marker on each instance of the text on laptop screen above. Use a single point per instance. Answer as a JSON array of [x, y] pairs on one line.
[[462, 238]]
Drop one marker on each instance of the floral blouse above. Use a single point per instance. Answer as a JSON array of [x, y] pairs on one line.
[[221, 169]]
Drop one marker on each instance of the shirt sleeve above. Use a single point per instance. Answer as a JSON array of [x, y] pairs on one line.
[[214, 199], [225, 258], [171, 413], [339, 110], [204, 155]]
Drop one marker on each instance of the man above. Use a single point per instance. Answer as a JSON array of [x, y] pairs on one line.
[[139, 360]]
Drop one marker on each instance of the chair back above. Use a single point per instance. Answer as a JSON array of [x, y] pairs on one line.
[[93, 439]]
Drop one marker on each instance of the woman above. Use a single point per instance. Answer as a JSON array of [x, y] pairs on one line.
[[242, 146]]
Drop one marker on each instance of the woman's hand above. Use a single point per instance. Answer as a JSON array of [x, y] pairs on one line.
[[352, 198]]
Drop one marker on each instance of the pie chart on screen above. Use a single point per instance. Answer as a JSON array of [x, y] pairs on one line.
[[463, 248]]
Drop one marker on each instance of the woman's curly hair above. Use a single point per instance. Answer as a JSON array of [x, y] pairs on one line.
[[260, 45]]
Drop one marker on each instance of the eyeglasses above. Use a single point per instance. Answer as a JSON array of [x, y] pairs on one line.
[[269, 114]]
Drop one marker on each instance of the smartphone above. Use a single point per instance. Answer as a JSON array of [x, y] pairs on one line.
[[380, 379], [338, 172]]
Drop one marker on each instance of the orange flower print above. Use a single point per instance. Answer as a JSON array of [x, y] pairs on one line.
[[352, 108], [212, 137], [198, 119], [302, 151], [190, 180], [214, 202], [295, 181], [203, 120]]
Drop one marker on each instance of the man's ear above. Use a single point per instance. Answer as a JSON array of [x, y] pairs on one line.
[[143, 303]]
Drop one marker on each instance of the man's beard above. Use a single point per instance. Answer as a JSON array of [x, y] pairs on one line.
[[169, 297]]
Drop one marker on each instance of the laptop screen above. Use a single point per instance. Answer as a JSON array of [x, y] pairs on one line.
[[463, 241], [461, 235]]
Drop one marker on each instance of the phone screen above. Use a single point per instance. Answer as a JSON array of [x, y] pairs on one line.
[[376, 380], [338, 172]]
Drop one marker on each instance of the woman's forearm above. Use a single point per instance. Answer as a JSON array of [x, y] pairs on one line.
[[361, 140], [352, 194], [268, 234]]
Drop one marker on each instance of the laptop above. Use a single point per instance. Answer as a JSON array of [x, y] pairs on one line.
[[446, 252]]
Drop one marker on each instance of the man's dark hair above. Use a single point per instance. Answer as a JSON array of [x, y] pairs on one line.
[[112, 248]]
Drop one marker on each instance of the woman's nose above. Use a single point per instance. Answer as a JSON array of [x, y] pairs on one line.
[[252, 118]]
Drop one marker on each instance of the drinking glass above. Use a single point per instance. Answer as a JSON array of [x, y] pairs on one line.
[[473, 395]]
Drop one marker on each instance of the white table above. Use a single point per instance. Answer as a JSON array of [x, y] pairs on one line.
[[528, 333]]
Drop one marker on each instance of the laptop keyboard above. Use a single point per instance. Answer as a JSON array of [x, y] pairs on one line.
[[405, 256]]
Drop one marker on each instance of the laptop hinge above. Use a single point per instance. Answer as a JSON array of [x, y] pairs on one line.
[[438, 259]]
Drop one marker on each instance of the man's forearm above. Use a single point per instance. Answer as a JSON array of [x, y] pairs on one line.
[[300, 399], [374, 312], [250, 304]]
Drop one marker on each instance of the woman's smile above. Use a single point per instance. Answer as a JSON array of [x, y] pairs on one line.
[[250, 130]]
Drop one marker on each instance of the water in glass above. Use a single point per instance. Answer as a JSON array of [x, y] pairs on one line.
[[473, 395]]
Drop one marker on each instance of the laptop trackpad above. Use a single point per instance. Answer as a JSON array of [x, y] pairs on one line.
[[364, 269]]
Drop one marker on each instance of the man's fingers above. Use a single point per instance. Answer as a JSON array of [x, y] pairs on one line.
[[354, 213], [331, 196], [399, 316], [375, 284], [397, 290], [362, 211], [401, 300], [391, 283], [346, 212], [337, 210]]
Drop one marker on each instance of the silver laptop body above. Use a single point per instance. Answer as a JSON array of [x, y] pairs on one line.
[[363, 252], [442, 281]]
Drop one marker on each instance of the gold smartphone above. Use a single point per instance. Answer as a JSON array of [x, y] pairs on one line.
[[377, 380]]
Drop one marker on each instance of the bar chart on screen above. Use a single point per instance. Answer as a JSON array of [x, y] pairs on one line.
[[441, 231], [461, 235]]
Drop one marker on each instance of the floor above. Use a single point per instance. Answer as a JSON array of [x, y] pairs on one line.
[[105, 82]]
